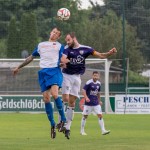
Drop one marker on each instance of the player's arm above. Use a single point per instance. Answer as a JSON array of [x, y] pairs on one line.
[[99, 95], [26, 62], [64, 61], [105, 55], [85, 95]]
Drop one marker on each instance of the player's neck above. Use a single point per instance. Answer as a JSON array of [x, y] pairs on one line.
[[76, 45], [51, 40]]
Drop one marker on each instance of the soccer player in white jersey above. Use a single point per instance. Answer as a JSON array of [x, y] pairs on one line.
[[50, 75], [91, 93], [77, 54]]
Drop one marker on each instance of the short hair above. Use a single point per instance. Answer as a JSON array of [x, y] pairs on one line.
[[95, 72], [72, 34]]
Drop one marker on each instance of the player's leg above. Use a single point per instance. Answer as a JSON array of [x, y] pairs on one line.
[[72, 87], [64, 105], [69, 115], [46, 98], [98, 111], [86, 111], [49, 112], [58, 102], [70, 111], [74, 94], [66, 84]]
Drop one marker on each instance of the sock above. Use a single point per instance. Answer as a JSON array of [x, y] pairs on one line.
[[101, 123], [83, 122], [64, 105], [59, 106], [49, 112], [69, 116]]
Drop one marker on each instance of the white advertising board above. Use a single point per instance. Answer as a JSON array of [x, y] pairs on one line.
[[132, 104]]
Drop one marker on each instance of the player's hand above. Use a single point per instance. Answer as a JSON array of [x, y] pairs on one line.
[[87, 99], [113, 50], [15, 71], [62, 65]]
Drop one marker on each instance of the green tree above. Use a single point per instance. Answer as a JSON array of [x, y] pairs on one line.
[[137, 13], [12, 42], [28, 32], [3, 48]]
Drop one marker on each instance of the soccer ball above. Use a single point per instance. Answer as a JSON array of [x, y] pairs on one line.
[[63, 14]]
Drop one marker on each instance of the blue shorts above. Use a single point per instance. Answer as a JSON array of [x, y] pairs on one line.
[[49, 77]]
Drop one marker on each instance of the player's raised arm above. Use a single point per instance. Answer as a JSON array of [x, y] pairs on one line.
[[105, 55], [27, 61]]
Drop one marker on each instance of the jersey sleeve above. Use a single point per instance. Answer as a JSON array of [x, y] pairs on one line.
[[89, 51], [35, 52], [86, 86], [61, 51], [65, 52]]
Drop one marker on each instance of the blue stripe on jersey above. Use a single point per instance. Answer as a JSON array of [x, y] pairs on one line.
[[60, 53], [35, 52]]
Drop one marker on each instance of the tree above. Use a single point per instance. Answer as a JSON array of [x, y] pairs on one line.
[[137, 13], [28, 32], [3, 48], [12, 42]]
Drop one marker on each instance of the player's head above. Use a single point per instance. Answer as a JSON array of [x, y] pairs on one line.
[[71, 39], [55, 34], [95, 76]]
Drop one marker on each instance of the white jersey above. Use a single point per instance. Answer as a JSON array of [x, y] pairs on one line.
[[50, 54]]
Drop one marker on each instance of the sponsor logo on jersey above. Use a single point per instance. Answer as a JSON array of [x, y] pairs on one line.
[[81, 52]]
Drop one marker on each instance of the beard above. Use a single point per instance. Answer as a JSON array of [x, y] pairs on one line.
[[72, 45], [95, 79]]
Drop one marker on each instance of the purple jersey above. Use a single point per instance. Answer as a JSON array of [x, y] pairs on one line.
[[92, 89], [77, 58]]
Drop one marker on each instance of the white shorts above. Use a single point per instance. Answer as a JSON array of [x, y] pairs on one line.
[[87, 110], [71, 84]]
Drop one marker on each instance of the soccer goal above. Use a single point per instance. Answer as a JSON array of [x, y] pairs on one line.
[[26, 82]]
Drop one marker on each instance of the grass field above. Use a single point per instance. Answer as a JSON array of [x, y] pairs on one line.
[[31, 132]]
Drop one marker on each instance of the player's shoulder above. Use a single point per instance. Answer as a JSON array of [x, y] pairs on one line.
[[89, 81], [66, 47], [85, 47], [98, 82], [58, 43]]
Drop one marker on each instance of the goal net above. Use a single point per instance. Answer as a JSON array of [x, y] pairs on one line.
[[26, 81]]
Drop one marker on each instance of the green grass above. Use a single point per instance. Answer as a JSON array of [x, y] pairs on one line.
[[31, 132]]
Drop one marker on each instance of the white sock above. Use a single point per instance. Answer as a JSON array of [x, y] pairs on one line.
[[69, 116], [101, 123], [83, 122]]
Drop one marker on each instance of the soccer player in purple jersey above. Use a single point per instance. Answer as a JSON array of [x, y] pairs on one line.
[[91, 93], [50, 75], [76, 54]]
